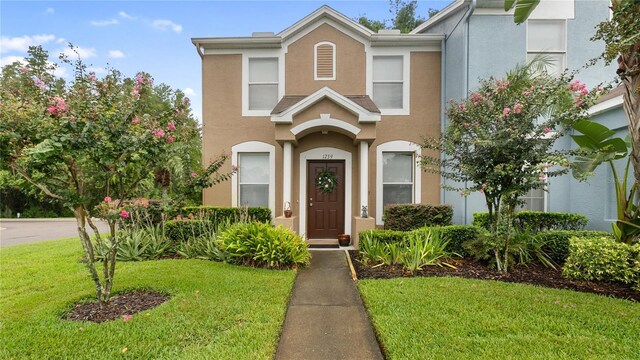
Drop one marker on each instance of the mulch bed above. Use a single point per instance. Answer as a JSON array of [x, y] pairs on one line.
[[468, 268], [120, 307]]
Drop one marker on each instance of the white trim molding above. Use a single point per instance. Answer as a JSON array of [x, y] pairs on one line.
[[318, 154], [397, 146], [255, 147], [315, 60], [606, 105], [260, 53], [325, 120], [364, 115]]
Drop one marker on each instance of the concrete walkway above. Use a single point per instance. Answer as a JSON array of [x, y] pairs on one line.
[[326, 318]]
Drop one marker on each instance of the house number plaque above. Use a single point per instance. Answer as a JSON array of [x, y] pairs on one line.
[[327, 156]]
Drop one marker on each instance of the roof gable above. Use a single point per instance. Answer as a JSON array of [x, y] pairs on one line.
[[323, 13]]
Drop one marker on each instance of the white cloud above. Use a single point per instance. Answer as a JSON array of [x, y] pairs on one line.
[[189, 92], [84, 53], [61, 40], [49, 11], [8, 60], [22, 43], [104, 22], [124, 15], [97, 70], [116, 54], [163, 25]]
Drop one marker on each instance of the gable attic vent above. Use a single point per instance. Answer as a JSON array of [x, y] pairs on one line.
[[325, 61]]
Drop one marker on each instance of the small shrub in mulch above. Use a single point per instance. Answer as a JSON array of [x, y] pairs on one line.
[[533, 274], [120, 307]]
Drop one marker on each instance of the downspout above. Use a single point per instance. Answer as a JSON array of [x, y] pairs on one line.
[[472, 8]]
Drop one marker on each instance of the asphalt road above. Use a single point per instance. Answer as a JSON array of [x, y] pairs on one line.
[[14, 231]]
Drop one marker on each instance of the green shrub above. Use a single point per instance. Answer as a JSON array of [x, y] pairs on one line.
[[222, 214], [407, 217], [455, 235], [182, 230], [260, 244], [537, 221], [603, 259], [556, 242], [137, 244]]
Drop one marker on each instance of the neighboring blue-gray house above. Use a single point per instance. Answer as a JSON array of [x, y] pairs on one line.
[[481, 40]]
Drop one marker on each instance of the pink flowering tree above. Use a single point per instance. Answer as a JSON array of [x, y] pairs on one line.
[[93, 143], [500, 140]]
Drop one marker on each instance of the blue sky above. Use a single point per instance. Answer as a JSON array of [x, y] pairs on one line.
[[154, 36]]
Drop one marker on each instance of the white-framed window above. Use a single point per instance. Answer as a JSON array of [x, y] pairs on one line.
[[398, 177], [253, 179], [254, 182], [548, 38], [534, 200], [324, 61], [263, 83], [388, 81]]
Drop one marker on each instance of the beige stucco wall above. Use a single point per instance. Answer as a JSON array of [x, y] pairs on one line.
[[224, 126], [350, 59]]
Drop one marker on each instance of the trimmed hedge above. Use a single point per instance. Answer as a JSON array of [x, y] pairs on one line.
[[407, 217], [455, 234], [183, 230], [603, 259], [220, 214], [537, 221], [557, 241]]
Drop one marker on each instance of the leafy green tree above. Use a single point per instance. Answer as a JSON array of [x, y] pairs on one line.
[[403, 14], [500, 139], [92, 144]]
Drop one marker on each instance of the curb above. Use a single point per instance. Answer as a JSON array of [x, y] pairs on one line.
[[353, 270], [36, 219]]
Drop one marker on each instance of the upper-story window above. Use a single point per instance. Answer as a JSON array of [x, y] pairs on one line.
[[324, 61], [388, 82], [263, 83], [549, 39]]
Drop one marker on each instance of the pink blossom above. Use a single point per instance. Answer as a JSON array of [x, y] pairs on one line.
[[58, 106], [476, 98], [107, 199], [547, 130], [127, 318], [506, 111], [461, 107], [584, 91], [124, 214], [194, 174], [542, 176], [484, 186], [135, 120], [171, 126], [577, 85], [92, 77], [52, 110], [170, 139], [578, 102], [139, 79], [517, 108], [159, 133], [135, 93], [24, 69], [39, 83]]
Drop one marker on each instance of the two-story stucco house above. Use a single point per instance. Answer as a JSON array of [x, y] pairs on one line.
[[324, 96], [482, 40]]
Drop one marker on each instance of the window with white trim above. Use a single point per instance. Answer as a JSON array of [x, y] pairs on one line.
[[397, 178], [548, 38], [253, 179], [388, 81], [263, 83], [324, 61], [534, 200]]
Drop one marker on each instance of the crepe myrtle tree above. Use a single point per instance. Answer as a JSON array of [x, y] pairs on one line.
[[500, 140], [91, 143]]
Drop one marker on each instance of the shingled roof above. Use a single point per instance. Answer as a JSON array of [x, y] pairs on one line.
[[290, 100]]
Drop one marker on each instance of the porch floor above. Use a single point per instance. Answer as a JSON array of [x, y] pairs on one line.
[[326, 318]]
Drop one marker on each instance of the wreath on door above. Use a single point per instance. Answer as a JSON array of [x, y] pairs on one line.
[[326, 181]]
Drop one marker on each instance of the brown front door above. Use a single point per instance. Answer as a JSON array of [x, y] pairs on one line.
[[325, 219]]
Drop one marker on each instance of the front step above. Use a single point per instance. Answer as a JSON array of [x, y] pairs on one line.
[[323, 244]]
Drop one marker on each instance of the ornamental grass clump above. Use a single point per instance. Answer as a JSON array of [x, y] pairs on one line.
[[262, 245]]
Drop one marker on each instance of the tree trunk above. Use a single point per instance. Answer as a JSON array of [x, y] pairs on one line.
[[89, 260], [629, 72], [110, 264]]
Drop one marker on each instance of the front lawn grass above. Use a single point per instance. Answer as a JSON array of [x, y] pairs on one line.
[[216, 311], [455, 318]]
